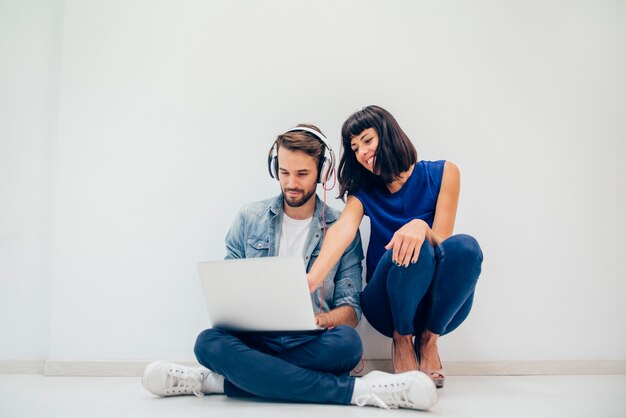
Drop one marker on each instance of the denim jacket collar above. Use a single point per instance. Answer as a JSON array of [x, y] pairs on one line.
[[315, 233]]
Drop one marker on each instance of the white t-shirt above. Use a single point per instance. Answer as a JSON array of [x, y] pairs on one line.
[[293, 236]]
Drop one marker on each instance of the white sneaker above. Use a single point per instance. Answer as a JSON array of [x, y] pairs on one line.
[[169, 379], [412, 390]]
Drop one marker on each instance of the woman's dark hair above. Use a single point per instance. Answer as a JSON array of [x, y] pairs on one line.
[[394, 155]]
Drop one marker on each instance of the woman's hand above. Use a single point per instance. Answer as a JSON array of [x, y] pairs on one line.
[[407, 242]]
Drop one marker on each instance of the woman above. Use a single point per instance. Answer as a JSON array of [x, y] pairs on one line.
[[420, 277]]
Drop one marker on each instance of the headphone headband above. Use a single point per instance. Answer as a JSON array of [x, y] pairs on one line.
[[314, 132], [326, 165]]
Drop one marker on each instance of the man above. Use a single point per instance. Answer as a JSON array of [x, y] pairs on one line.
[[304, 367]]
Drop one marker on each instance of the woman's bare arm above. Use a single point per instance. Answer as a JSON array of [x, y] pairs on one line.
[[338, 238]]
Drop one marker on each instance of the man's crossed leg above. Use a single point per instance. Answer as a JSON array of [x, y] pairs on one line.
[[312, 368]]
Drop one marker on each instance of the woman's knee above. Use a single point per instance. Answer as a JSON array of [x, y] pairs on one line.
[[418, 274], [425, 259], [427, 252], [463, 247]]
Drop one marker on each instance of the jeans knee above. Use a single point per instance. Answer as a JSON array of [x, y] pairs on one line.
[[208, 345], [427, 252], [463, 248], [425, 260], [348, 344]]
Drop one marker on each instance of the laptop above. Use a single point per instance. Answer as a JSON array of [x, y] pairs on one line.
[[268, 294]]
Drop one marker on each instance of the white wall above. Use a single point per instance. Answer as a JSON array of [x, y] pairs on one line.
[[30, 52], [167, 110]]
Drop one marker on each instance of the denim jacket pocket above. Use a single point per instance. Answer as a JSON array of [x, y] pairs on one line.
[[257, 247], [309, 260]]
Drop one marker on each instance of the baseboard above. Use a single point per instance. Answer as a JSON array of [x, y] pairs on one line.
[[535, 367], [514, 368], [99, 368], [452, 368], [21, 366]]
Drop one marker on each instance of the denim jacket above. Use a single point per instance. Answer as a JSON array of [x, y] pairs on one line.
[[256, 233]]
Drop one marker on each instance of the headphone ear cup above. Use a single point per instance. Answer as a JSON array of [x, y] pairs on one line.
[[275, 166], [325, 171], [272, 162], [321, 172], [327, 166]]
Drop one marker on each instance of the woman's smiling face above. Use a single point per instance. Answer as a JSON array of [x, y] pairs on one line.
[[364, 147]]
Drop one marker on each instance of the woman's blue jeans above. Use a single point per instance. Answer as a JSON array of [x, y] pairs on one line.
[[436, 293]]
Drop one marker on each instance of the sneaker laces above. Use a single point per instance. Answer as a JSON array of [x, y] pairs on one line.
[[391, 395], [185, 382]]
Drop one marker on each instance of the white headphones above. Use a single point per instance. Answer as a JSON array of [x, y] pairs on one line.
[[326, 165]]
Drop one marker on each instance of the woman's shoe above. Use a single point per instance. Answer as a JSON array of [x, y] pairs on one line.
[[436, 375]]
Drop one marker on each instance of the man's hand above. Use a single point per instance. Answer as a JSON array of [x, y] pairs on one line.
[[322, 320], [343, 315]]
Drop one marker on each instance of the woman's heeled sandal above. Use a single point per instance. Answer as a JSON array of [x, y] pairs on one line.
[[436, 375]]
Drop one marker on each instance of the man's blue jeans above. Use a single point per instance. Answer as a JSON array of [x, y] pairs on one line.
[[435, 293], [304, 367]]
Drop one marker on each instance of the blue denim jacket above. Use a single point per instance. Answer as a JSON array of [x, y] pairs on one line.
[[256, 233]]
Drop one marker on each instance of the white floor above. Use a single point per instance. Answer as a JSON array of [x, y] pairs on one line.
[[31, 396]]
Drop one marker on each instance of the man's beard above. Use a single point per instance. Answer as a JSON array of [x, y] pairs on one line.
[[298, 201]]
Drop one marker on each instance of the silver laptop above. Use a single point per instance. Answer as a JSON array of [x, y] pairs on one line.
[[258, 294]]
